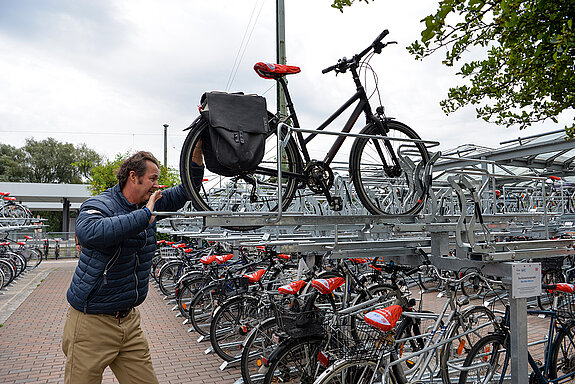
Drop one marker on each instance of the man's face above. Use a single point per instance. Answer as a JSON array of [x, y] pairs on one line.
[[147, 184]]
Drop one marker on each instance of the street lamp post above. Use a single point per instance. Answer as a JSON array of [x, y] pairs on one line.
[[166, 145]]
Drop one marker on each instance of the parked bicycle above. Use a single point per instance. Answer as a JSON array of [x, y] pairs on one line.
[[488, 360], [385, 162]]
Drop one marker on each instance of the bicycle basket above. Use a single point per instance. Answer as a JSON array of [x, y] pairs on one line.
[[359, 340], [566, 305], [299, 324]]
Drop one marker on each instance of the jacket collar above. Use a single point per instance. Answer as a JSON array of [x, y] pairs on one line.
[[117, 192]]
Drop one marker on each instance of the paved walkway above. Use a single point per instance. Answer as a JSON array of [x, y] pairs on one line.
[[33, 312]]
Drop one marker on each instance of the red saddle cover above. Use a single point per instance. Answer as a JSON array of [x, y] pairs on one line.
[[208, 259], [565, 287], [326, 286], [384, 319], [254, 277], [291, 288], [223, 258], [274, 71]]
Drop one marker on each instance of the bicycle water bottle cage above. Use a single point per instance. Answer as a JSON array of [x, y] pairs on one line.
[[275, 71]]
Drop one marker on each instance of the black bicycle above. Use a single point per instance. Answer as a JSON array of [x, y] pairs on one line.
[[385, 160]]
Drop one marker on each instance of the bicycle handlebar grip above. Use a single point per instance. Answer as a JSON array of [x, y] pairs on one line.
[[381, 36], [328, 69]]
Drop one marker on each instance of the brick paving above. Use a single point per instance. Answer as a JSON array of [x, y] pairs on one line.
[[30, 337]]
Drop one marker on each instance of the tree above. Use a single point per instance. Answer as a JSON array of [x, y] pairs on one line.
[[11, 168], [103, 176], [47, 161], [526, 72]]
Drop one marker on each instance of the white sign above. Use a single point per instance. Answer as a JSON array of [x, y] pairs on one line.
[[525, 280]]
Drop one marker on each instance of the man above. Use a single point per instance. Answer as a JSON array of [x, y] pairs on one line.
[[117, 235]]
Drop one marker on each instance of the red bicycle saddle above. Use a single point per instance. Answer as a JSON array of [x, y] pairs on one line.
[[565, 287], [384, 319], [327, 286], [223, 258], [275, 71], [208, 259], [291, 288], [254, 277]]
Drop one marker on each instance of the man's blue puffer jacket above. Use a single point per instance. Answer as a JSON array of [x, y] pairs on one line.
[[118, 245]]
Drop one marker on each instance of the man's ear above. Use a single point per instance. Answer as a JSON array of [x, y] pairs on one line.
[[133, 177]]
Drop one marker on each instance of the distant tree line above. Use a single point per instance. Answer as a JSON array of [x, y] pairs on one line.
[[50, 161], [47, 161]]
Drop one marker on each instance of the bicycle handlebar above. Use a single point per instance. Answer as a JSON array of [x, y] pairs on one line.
[[344, 63]]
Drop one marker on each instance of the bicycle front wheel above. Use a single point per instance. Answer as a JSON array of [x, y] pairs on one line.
[[356, 372], [384, 170], [296, 362], [255, 191]]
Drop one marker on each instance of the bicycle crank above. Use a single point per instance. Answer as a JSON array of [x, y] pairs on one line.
[[319, 179]]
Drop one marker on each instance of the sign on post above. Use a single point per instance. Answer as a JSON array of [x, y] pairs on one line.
[[525, 280]]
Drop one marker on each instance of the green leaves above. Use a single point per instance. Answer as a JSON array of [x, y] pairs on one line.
[[523, 67], [339, 4], [46, 161], [104, 175]]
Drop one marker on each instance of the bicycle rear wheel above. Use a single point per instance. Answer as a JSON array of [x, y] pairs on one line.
[[486, 362], [386, 186], [255, 191], [562, 362]]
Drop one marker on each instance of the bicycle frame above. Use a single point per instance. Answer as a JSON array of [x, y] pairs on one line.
[[432, 345], [541, 373], [362, 106]]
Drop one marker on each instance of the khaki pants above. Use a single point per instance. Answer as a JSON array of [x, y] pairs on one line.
[[93, 342]]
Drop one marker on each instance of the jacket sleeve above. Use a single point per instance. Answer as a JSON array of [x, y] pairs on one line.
[[172, 199], [96, 227]]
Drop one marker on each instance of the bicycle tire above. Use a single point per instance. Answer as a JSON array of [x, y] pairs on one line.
[[202, 308], [8, 269], [486, 354], [235, 193], [458, 349], [168, 276], [232, 322], [295, 361], [187, 288], [257, 346], [356, 371], [1, 279], [562, 359], [379, 192]]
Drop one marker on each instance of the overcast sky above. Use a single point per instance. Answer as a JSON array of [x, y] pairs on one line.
[[111, 73]]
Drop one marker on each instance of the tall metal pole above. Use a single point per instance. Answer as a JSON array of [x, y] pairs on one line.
[[166, 145], [281, 51]]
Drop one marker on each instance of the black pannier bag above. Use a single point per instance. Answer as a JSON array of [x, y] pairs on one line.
[[234, 142]]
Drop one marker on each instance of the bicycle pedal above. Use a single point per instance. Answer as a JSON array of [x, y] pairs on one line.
[[336, 203]]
